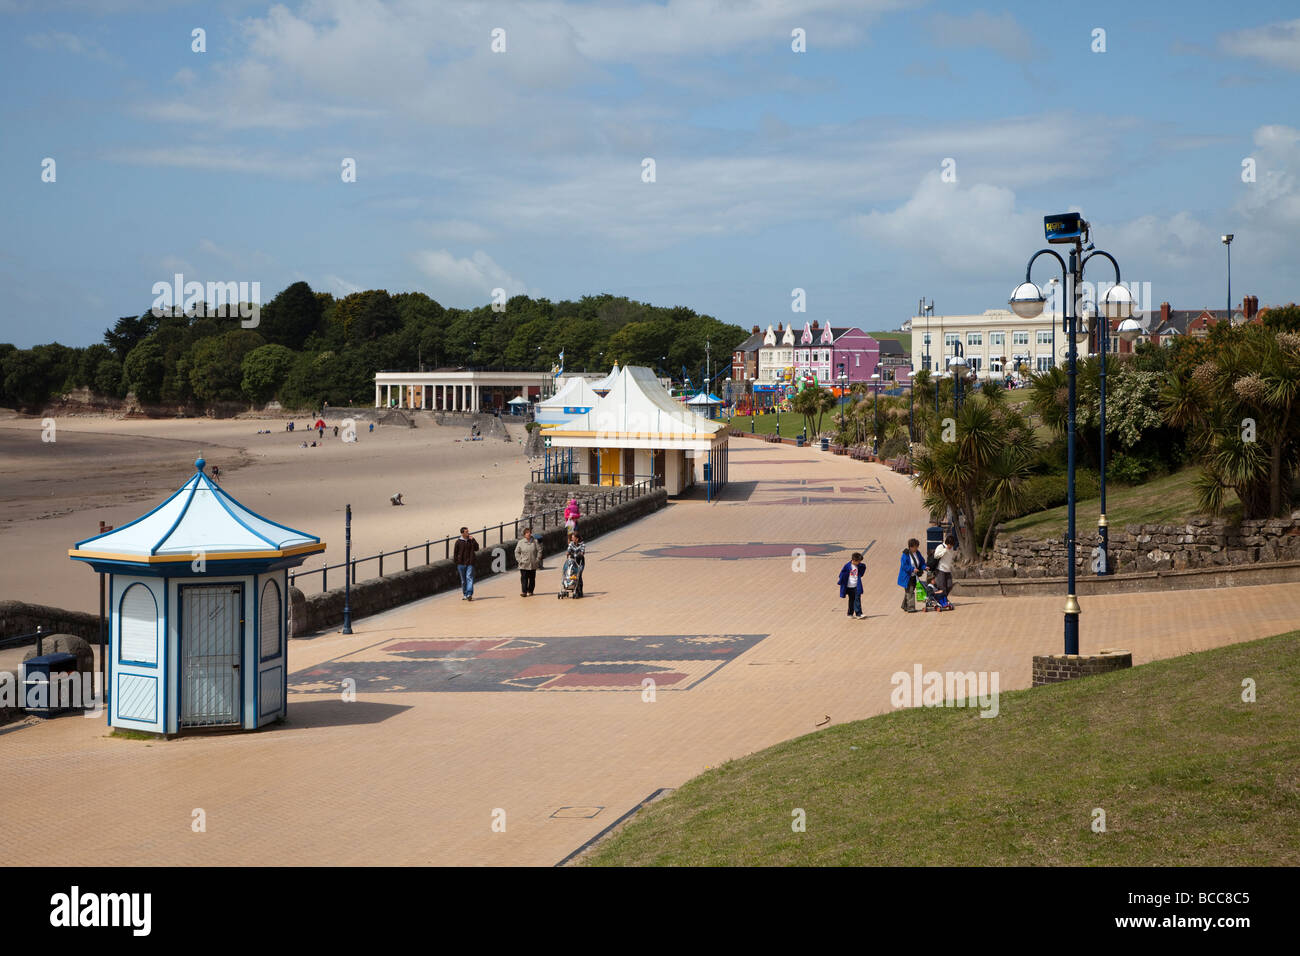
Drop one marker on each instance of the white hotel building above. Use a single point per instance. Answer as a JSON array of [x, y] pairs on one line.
[[994, 343]]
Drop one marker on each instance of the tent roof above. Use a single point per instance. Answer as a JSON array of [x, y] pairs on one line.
[[575, 392], [702, 399], [606, 383], [517, 400], [637, 412], [198, 518]]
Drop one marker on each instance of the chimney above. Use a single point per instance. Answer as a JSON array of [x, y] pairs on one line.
[[755, 329], [779, 328], [1249, 306], [1164, 312]]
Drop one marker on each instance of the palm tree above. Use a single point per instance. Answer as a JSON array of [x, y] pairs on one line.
[[989, 458]]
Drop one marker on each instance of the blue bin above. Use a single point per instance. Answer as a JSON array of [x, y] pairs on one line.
[[798, 441], [48, 670], [826, 444]]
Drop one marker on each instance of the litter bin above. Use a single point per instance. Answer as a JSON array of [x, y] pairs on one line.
[[933, 538], [51, 670], [798, 441], [826, 444]]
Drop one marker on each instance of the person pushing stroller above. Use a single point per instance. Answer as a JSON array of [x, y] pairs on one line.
[[575, 561]]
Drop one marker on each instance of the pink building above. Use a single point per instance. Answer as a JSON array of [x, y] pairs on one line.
[[828, 351]]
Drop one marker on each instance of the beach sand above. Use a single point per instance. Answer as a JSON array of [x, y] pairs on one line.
[[53, 494]]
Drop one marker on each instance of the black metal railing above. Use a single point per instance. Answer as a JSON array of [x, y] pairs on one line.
[[539, 521]]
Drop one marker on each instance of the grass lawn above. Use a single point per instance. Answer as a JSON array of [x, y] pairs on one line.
[[1186, 772], [792, 424], [1165, 500], [904, 337]]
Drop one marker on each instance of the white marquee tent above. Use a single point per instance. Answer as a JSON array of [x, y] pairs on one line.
[[639, 430]]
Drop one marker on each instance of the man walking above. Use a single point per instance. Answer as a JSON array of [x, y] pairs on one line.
[[910, 565], [463, 554], [528, 555]]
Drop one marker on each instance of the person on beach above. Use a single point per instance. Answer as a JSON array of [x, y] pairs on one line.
[[578, 552], [571, 514], [528, 555], [910, 566], [463, 554], [851, 584], [397, 499]]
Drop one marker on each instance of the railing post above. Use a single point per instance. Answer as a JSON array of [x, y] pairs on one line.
[[324, 574], [381, 563], [406, 566], [426, 551]]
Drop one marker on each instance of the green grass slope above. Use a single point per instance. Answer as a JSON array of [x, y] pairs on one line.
[[1186, 772]]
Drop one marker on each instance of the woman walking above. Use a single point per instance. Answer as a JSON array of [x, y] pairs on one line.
[[946, 555], [528, 556], [910, 566]]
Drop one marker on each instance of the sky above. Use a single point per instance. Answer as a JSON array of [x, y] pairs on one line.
[[910, 150]]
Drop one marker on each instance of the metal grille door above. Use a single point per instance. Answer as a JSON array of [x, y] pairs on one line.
[[210, 629]]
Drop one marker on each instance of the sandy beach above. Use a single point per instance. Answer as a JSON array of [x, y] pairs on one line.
[[53, 494]]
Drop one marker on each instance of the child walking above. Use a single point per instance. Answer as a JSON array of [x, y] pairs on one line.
[[851, 584]]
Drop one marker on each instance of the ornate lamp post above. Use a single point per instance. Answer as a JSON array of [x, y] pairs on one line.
[[1027, 301]]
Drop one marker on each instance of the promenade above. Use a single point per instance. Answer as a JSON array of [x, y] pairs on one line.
[[535, 706]]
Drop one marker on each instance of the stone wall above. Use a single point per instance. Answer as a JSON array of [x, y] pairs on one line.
[[1198, 543], [1055, 668], [543, 496], [17, 617], [308, 615]]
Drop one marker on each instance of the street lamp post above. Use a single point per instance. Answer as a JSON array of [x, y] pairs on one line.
[[958, 365], [1227, 242], [1027, 301]]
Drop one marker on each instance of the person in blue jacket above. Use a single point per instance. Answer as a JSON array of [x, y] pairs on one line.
[[851, 584], [910, 566]]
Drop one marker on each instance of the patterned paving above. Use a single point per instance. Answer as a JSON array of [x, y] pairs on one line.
[[593, 662]]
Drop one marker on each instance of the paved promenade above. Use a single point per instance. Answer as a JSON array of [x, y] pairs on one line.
[[535, 706]]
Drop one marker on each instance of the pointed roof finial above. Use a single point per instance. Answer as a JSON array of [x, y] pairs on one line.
[[199, 463]]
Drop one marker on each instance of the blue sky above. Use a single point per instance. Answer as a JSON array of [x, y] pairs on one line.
[[522, 170]]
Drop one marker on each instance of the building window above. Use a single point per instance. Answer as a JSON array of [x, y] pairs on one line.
[[137, 637], [1044, 337], [1044, 363], [975, 338], [950, 339], [974, 364], [997, 338], [995, 364], [271, 618], [927, 338], [1019, 338], [857, 360]]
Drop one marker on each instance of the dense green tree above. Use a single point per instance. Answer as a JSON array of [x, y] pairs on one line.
[[130, 331], [143, 372], [216, 365], [265, 369], [291, 317]]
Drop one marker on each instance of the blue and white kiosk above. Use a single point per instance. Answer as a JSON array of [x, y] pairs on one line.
[[198, 615]]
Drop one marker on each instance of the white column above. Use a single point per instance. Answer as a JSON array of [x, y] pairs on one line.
[[376, 395], [473, 399]]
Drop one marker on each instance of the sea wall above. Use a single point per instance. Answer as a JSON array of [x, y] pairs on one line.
[[18, 617], [309, 615]]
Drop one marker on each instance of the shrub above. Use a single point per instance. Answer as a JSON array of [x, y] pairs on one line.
[[1043, 492], [1133, 468]]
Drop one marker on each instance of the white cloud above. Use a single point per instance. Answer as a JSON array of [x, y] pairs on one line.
[[972, 230], [471, 279], [1276, 43], [340, 287], [1001, 34]]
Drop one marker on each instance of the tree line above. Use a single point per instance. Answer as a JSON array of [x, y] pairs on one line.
[[309, 348]]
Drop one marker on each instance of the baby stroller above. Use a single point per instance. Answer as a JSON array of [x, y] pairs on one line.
[[569, 578], [935, 598]]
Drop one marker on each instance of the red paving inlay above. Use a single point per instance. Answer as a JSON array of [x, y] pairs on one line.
[[454, 645], [621, 679], [544, 670]]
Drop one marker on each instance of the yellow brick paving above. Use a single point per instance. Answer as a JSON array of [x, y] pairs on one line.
[[418, 778]]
